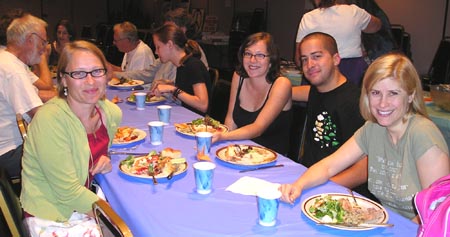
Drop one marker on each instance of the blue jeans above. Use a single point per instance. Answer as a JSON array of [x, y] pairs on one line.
[[12, 161]]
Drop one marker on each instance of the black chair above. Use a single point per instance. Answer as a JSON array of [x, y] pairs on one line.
[[10, 206], [218, 106], [439, 72], [110, 223], [298, 131]]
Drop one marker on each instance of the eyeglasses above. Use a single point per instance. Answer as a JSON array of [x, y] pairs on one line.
[[44, 41], [258, 56], [82, 74]]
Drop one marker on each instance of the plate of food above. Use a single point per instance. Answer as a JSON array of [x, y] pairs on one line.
[[124, 83], [206, 124], [149, 99], [341, 211], [128, 137], [163, 165], [246, 155]]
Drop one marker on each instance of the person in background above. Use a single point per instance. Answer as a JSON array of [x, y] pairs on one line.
[[345, 23], [185, 21], [192, 83], [44, 81], [64, 34], [406, 151], [332, 109], [67, 145], [166, 72], [25, 45], [260, 99], [138, 55]]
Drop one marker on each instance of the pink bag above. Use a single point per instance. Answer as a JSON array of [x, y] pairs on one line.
[[433, 206]]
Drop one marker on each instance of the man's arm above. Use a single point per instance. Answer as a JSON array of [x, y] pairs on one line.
[[300, 93], [374, 25], [42, 70]]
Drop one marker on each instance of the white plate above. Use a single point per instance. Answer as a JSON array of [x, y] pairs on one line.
[[153, 101], [113, 82], [270, 156], [363, 202], [189, 132], [126, 170], [140, 138]]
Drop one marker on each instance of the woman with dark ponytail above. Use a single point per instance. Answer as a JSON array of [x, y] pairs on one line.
[[192, 80]]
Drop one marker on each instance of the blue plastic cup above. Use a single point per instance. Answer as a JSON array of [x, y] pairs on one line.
[[164, 113], [204, 173], [156, 132], [140, 100], [204, 140], [268, 201]]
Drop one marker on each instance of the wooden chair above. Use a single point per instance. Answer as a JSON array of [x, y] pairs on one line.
[[214, 77], [10, 206], [110, 223], [22, 124]]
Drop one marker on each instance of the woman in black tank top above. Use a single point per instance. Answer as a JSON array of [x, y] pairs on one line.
[[260, 100]]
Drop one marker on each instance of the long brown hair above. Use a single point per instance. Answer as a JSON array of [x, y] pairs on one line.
[[272, 51], [176, 35], [324, 3]]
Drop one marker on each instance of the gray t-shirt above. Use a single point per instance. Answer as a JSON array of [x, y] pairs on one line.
[[393, 176]]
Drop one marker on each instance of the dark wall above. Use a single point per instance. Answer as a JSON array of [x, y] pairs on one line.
[[422, 19]]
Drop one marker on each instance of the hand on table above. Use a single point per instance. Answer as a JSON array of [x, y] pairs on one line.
[[217, 136], [160, 89], [103, 166], [289, 193]]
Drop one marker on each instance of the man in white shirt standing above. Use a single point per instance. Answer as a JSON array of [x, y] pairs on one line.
[[138, 55], [26, 42]]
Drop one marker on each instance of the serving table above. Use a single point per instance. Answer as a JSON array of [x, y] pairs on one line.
[[173, 208]]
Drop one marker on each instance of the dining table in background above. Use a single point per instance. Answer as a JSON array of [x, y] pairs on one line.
[[173, 208], [441, 118]]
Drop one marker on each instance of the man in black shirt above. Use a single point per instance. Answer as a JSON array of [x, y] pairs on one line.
[[333, 108]]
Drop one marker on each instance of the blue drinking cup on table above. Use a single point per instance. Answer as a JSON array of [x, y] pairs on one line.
[[204, 173], [204, 140], [140, 100], [268, 202], [156, 132], [164, 113]]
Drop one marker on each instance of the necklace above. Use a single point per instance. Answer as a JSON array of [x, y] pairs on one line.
[[95, 124]]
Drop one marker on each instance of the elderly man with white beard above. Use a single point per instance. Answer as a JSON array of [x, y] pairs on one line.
[[26, 42]]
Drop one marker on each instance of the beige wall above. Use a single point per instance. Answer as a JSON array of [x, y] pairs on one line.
[[424, 20]]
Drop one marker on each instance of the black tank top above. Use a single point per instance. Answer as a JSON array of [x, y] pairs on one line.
[[276, 136]]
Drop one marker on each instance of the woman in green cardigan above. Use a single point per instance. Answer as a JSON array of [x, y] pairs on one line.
[[67, 145]]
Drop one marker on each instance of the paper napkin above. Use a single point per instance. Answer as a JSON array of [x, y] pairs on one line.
[[249, 185]]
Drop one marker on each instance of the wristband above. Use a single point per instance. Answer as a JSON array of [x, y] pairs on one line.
[[176, 92]]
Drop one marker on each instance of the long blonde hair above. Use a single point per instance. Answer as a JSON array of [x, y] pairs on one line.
[[399, 67]]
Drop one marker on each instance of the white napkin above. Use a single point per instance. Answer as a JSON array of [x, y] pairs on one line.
[[250, 186]]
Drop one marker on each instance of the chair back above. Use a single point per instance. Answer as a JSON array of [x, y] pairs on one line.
[[213, 76], [22, 124], [218, 105], [10, 206], [110, 223]]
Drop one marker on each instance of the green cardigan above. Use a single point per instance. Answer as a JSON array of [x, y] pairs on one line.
[[56, 160]]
